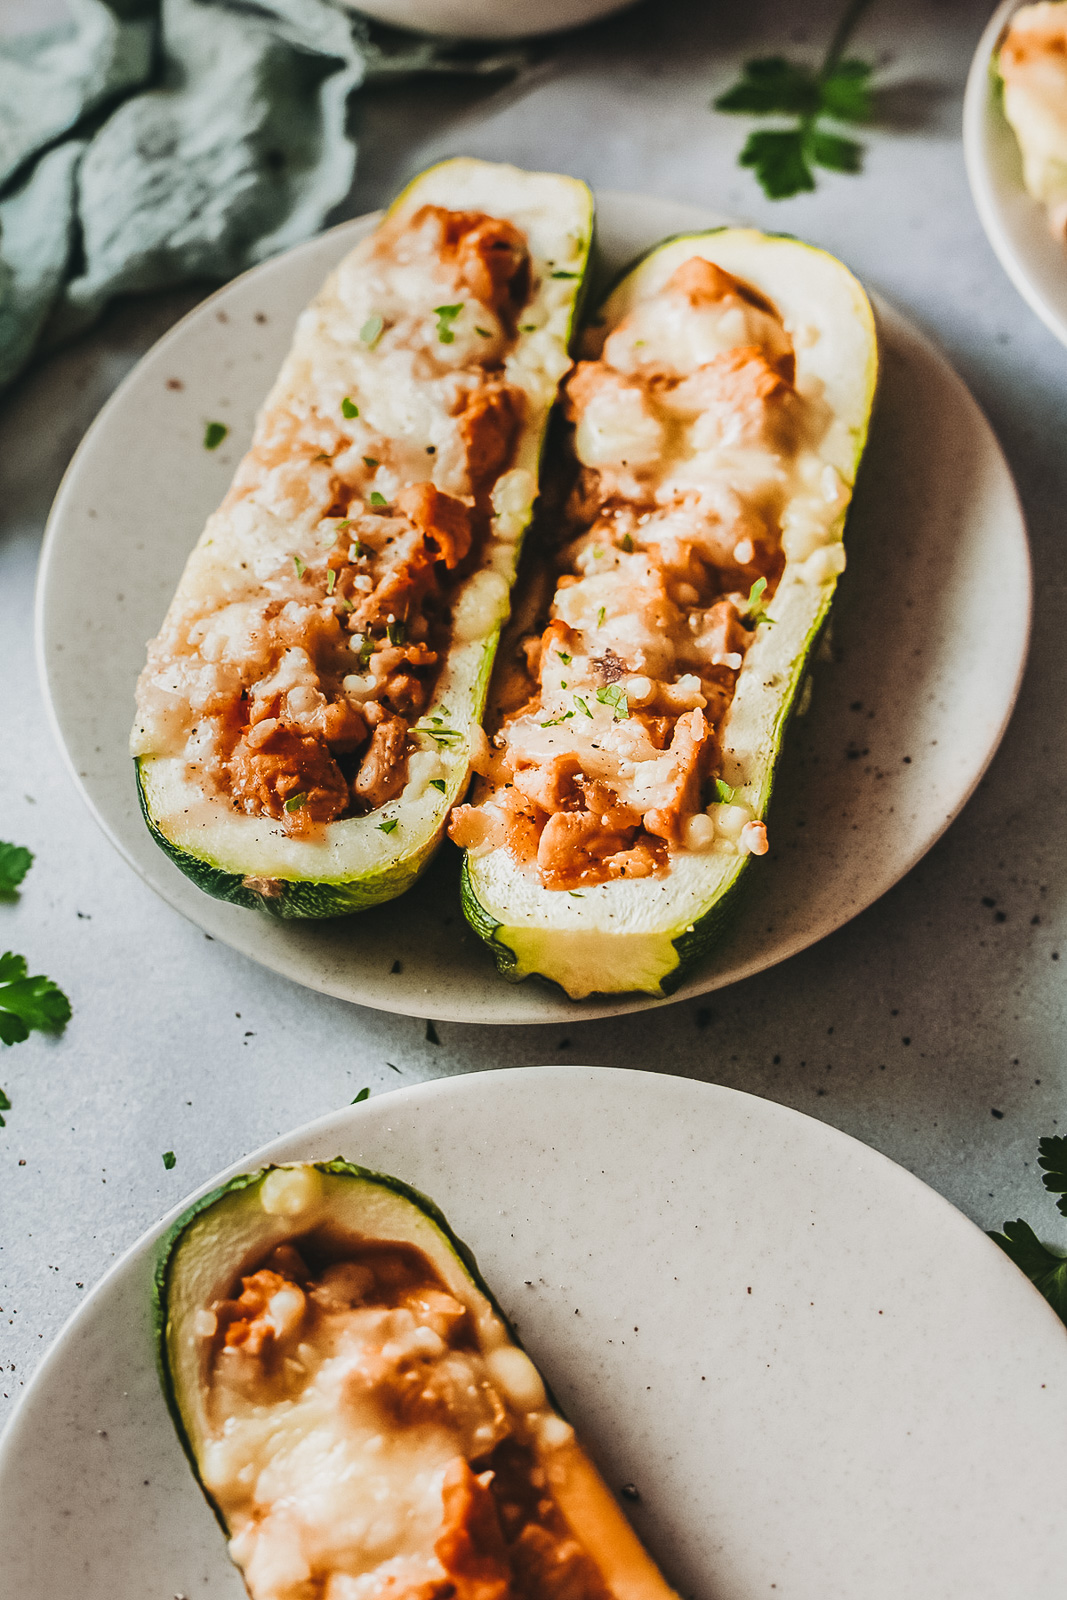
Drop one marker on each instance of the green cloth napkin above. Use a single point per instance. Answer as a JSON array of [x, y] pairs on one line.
[[149, 143]]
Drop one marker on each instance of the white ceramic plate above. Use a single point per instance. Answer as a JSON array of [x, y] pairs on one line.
[[1016, 225], [824, 1381], [903, 723]]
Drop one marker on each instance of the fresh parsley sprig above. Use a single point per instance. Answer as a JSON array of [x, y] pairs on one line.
[[783, 159], [15, 862], [1046, 1268], [28, 1002]]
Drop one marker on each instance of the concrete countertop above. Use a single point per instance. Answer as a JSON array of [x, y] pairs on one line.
[[931, 1027]]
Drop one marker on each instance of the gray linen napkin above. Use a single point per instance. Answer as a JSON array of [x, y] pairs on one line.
[[149, 143]]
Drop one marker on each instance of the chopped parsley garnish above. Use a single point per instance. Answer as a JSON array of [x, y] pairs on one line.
[[438, 783], [300, 566], [443, 736], [170, 1160], [357, 550], [564, 274], [575, 895], [553, 722], [783, 158], [322, 456], [446, 316], [614, 695], [582, 706], [1046, 1268], [331, 579], [295, 801], [371, 330], [396, 633], [5, 1105], [562, 683], [723, 793], [366, 647], [598, 552], [376, 499], [28, 1002], [756, 611], [349, 408], [364, 1094], [15, 862], [345, 522], [369, 461], [564, 657], [483, 333], [388, 825], [347, 604], [601, 614], [627, 543], [528, 327], [214, 434]]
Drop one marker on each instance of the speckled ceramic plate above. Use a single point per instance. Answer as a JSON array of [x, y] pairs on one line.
[[824, 1382], [1015, 224], [905, 716]]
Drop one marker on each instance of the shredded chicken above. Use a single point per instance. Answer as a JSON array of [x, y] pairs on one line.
[[687, 429], [292, 694]]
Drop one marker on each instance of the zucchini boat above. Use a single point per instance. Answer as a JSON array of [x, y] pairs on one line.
[[360, 1415], [310, 710], [719, 422]]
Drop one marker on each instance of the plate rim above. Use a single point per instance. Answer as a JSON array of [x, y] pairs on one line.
[[977, 114], [564, 1008], [344, 1117]]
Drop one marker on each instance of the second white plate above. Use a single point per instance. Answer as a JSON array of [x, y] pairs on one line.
[[825, 1383], [930, 635], [1015, 223]]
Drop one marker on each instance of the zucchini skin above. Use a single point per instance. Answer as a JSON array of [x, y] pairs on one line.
[[338, 1167], [292, 898], [680, 954]]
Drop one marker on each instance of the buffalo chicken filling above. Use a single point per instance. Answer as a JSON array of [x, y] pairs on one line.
[[690, 438], [363, 1445], [292, 691]]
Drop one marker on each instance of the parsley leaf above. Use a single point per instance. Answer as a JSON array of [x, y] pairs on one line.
[[723, 793], [614, 695], [483, 332], [331, 579], [371, 330], [295, 801], [582, 706], [601, 614], [349, 408], [376, 499], [396, 633], [757, 611], [783, 158], [1046, 1268], [15, 862], [214, 433], [388, 825], [438, 783], [364, 1094], [5, 1105], [170, 1160], [371, 462], [27, 1003], [1052, 1159], [564, 274], [301, 566], [446, 316]]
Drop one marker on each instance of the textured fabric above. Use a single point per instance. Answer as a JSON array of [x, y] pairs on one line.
[[150, 143]]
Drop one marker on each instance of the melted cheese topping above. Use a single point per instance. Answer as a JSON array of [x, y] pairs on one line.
[[365, 1440], [1033, 66], [314, 615], [700, 479]]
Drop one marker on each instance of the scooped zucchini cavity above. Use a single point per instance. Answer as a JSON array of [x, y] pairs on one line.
[[360, 1415], [310, 709], [718, 422]]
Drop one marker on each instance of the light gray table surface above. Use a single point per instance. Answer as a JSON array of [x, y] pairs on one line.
[[931, 1027]]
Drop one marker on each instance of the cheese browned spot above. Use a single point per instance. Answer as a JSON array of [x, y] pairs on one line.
[[364, 1444], [693, 450], [290, 691]]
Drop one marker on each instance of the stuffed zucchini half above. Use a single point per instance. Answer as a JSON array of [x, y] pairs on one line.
[[310, 709], [718, 424], [359, 1413]]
